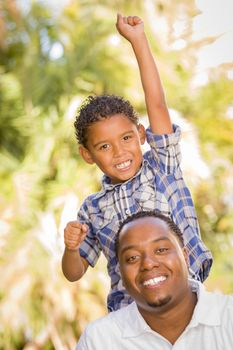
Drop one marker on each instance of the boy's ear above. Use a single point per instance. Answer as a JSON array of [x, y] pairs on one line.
[[142, 133], [86, 155]]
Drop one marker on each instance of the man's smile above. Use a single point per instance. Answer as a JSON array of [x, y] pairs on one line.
[[154, 281]]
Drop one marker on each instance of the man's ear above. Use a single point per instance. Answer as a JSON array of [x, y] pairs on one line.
[[186, 256], [86, 155], [142, 133]]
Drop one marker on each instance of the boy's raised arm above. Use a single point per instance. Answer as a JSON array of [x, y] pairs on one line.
[[132, 28]]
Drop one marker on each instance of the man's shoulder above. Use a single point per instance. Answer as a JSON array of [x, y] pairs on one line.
[[105, 332], [113, 321], [107, 322], [214, 304], [225, 301]]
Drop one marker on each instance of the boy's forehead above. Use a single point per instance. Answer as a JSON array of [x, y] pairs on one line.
[[107, 126], [109, 118]]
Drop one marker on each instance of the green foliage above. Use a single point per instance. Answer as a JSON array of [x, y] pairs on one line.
[[213, 100], [48, 60], [14, 124]]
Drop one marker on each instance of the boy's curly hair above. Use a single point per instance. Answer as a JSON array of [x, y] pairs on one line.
[[95, 108]]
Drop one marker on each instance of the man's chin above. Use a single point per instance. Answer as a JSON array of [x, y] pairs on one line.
[[159, 302]]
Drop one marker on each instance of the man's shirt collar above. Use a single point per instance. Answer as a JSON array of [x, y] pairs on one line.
[[206, 312]]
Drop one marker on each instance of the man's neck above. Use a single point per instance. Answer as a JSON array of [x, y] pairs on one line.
[[172, 322]]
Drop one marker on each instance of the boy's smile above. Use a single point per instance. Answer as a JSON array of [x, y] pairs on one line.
[[114, 145]]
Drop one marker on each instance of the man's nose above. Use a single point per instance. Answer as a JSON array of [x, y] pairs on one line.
[[149, 261]]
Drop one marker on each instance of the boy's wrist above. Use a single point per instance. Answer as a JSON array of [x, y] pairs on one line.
[[71, 250], [139, 40]]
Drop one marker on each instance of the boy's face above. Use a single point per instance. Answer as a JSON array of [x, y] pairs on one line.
[[114, 145]]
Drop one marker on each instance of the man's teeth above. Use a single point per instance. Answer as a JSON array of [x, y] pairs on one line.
[[123, 165], [154, 281]]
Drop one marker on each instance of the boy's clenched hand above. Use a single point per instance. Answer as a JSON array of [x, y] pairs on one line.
[[74, 234], [130, 27]]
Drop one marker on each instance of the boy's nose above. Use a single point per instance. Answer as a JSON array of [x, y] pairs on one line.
[[117, 150]]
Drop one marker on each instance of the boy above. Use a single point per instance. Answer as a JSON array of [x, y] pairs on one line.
[[110, 136]]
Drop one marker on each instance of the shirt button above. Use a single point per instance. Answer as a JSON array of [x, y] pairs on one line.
[[127, 211]]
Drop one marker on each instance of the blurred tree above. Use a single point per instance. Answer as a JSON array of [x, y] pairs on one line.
[[51, 57]]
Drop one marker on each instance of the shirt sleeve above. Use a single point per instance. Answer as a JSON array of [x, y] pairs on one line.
[[90, 248], [165, 150], [83, 343], [93, 337]]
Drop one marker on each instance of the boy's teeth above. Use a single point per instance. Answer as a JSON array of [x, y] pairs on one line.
[[154, 281], [123, 165]]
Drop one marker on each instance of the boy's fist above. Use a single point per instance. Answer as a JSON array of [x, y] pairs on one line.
[[74, 234], [129, 27]]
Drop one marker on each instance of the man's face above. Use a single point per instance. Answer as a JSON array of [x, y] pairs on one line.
[[152, 264], [114, 144]]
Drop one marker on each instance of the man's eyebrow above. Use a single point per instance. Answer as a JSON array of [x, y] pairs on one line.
[[134, 246]]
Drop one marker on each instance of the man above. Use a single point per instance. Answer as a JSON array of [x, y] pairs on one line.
[[170, 311]]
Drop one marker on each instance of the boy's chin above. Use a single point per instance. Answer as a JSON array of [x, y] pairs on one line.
[[124, 176], [121, 179]]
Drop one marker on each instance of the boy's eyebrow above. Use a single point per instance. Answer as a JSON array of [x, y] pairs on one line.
[[106, 141], [134, 246]]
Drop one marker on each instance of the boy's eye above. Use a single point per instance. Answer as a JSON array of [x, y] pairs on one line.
[[104, 147]]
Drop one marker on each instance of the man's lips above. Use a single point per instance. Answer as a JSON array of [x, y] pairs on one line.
[[154, 281], [123, 165]]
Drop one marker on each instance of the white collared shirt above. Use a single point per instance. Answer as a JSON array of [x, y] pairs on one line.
[[211, 328]]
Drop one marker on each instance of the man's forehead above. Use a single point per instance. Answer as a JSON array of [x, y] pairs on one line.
[[147, 229], [146, 221], [146, 225]]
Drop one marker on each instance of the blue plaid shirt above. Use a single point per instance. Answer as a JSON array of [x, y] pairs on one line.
[[158, 185]]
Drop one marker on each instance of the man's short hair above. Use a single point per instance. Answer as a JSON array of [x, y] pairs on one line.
[[155, 214], [96, 108]]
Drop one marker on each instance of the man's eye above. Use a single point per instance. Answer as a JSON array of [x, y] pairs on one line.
[[161, 250], [127, 137], [132, 259]]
